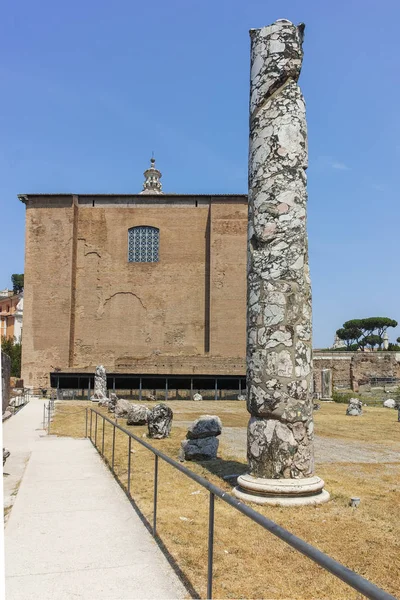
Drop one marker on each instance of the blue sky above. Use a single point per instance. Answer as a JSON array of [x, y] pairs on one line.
[[90, 88]]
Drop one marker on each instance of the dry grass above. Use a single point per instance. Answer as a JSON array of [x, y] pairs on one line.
[[250, 562]]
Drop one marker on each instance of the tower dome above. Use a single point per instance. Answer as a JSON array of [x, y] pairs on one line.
[[152, 184]]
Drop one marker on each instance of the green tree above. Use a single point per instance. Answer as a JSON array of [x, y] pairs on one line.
[[349, 335], [17, 282], [371, 341], [13, 350], [365, 332], [398, 340]]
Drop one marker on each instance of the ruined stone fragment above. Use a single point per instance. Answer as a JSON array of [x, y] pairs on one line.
[[205, 426], [354, 408], [138, 414], [160, 421], [122, 408]]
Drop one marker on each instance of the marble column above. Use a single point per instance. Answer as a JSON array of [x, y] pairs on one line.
[[279, 345]]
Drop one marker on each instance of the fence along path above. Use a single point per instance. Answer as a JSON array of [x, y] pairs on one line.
[[351, 578], [72, 532]]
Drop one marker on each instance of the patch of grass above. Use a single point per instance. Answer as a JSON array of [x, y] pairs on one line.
[[250, 562]]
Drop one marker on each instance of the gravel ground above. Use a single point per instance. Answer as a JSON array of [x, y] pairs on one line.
[[327, 450]]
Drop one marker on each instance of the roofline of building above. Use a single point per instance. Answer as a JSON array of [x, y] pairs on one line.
[[24, 197]]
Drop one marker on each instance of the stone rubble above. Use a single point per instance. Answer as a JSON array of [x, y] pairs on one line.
[[160, 421], [112, 402], [138, 414], [354, 408], [201, 441], [389, 403], [197, 397], [122, 408], [204, 426]]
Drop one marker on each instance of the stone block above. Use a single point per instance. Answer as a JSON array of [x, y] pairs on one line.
[[138, 414], [204, 427], [199, 449]]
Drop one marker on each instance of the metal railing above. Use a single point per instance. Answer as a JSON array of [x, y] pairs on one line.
[[351, 578], [48, 412]]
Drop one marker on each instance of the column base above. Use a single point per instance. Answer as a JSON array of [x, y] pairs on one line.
[[281, 492]]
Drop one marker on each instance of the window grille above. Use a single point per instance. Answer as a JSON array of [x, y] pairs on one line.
[[143, 243]]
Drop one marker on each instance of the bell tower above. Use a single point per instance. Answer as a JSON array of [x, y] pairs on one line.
[[152, 184]]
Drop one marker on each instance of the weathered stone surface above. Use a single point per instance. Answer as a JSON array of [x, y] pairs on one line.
[[97, 397], [279, 351], [100, 382], [6, 415], [199, 449], [354, 408], [389, 403], [197, 397], [326, 383], [112, 402], [205, 426], [6, 454], [160, 421], [280, 450], [138, 414], [122, 408]]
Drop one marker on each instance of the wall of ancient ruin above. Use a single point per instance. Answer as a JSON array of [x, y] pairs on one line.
[[85, 304], [47, 287], [352, 369]]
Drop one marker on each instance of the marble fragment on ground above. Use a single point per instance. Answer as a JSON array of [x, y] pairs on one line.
[[122, 408], [100, 385], [201, 441], [354, 408], [159, 421], [138, 414]]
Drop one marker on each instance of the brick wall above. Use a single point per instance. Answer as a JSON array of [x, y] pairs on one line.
[[350, 369], [85, 304]]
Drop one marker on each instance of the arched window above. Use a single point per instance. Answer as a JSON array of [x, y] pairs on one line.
[[143, 243]]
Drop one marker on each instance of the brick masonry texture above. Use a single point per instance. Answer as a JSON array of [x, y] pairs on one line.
[[85, 304]]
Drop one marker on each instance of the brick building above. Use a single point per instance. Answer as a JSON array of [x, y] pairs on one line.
[[11, 307], [151, 285]]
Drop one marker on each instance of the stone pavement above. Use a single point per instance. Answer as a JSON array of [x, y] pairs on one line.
[[72, 532], [20, 433]]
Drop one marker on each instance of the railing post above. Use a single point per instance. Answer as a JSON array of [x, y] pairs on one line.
[[102, 441], [91, 418], [129, 464], [44, 415], [113, 449], [86, 423], [48, 424], [95, 431], [210, 547], [155, 495]]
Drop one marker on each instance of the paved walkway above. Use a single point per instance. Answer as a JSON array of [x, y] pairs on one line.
[[72, 532], [20, 434]]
